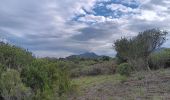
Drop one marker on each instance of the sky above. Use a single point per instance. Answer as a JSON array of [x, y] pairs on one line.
[[59, 28]]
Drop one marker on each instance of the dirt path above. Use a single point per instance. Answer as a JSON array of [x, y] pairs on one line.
[[140, 86]]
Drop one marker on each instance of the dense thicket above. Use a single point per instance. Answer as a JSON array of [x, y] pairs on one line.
[[24, 77]]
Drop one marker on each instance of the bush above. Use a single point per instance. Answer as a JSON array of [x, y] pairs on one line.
[[11, 86], [95, 71], [107, 67], [14, 57], [124, 69], [44, 77], [24, 77], [160, 59]]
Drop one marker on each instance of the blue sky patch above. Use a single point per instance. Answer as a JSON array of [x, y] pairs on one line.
[[101, 9]]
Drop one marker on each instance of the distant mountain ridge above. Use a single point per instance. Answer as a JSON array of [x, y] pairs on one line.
[[91, 55]]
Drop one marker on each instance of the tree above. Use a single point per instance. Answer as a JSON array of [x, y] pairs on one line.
[[137, 49]]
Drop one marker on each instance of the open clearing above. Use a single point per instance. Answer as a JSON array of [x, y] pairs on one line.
[[154, 85]]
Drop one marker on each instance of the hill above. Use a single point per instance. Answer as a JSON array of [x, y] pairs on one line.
[[86, 55]]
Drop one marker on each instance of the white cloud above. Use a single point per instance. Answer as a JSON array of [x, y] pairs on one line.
[[149, 16], [92, 19], [120, 7]]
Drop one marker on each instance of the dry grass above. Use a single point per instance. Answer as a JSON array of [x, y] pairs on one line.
[[154, 85]]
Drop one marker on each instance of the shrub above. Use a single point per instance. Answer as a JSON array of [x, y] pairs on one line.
[[14, 57], [44, 77], [107, 67], [160, 59], [124, 69], [94, 71], [11, 86], [24, 77]]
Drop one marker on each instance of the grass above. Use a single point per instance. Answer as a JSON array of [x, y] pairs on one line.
[[141, 85], [164, 72], [88, 81]]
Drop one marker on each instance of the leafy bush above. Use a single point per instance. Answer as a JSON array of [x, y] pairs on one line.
[[160, 59], [24, 77], [44, 77], [14, 57], [124, 69], [11, 86]]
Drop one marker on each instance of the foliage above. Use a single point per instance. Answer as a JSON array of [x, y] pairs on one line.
[[105, 58], [14, 57], [24, 77], [106, 67], [140, 47], [44, 77], [124, 69], [160, 59], [120, 59], [11, 86]]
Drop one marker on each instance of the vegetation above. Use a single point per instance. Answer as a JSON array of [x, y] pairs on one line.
[[124, 69], [24, 77], [11, 86], [14, 57], [160, 59], [106, 67], [89, 81], [144, 85], [136, 50]]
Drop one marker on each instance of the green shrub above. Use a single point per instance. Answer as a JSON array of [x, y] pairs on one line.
[[45, 77], [14, 57], [124, 69], [12, 88], [24, 77], [160, 59]]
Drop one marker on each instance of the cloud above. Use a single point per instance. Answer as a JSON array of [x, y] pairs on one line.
[[94, 19], [60, 28], [120, 7]]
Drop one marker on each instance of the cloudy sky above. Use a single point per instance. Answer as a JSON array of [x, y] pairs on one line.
[[58, 28]]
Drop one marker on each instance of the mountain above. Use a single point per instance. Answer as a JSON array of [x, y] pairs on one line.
[[90, 55]]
